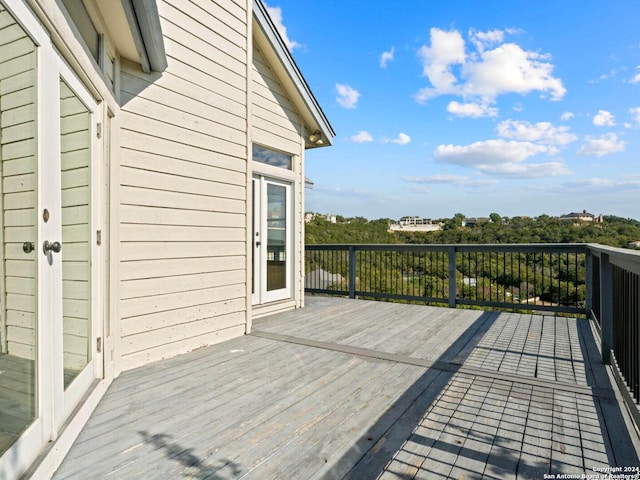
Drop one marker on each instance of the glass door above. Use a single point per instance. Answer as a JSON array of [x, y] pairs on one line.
[[77, 328], [272, 240], [18, 232], [48, 320]]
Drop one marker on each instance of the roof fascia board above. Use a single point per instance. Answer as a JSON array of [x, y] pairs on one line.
[[144, 24], [137, 35], [282, 52], [149, 21]]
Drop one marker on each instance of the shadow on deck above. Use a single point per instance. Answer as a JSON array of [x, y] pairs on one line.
[[359, 390]]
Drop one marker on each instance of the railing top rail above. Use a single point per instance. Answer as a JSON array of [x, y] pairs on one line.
[[622, 257], [437, 247]]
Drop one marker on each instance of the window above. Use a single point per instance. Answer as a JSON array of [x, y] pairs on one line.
[[271, 157], [85, 26]]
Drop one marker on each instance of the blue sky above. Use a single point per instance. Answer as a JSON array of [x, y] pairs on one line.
[[514, 107]]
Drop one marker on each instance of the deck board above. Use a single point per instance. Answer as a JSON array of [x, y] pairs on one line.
[[358, 390], [16, 398]]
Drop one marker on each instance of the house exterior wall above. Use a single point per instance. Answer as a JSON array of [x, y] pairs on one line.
[[276, 124], [183, 186], [163, 265], [274, 120]]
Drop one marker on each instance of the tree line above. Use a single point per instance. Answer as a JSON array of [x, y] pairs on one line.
[[613, 231], [550, 278]]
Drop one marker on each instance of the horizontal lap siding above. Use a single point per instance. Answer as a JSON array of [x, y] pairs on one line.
[[19, 200], [183, 186], [276, 124]]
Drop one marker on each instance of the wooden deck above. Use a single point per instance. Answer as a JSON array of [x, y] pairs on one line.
[[365, 390], [16, 398]]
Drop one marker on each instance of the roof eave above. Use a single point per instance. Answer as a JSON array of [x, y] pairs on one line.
[[144, 23], [295, 75]]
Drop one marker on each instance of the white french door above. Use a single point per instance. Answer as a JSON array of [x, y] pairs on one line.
[[272, 240], [49, 309], [75, 304]]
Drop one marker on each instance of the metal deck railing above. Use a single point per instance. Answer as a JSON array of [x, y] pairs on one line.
[[594, 281]]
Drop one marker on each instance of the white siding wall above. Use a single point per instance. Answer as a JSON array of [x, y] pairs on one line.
[[183, 186], [18, 160], [276, 124]]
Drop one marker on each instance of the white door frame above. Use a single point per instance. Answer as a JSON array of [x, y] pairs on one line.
[[261, 293], [66, 401], [53, 405], [20, 455]]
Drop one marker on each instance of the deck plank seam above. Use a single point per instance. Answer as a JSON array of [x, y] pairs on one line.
[[593, 391]]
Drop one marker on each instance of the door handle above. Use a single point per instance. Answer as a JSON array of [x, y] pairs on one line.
[[48, 247], [28, 247], [258, 243]]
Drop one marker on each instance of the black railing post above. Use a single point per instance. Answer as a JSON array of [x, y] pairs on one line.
[[352, 271], [589, 279], [452, 276], [606, 308]]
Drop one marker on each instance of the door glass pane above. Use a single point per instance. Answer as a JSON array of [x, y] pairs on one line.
[[276, 236], [19, 244], [75, 141]]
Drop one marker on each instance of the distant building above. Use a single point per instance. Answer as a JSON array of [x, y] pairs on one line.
[[414, 224], [407, 221], [310, 217], [581, 217]]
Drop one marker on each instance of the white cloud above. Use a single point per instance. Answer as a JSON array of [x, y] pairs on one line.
[[386, 57], [347, 96], [604, 119], [590, 185], [446, 50], [402, 139], [420, 189], [473, 110], [541, 132], [636, 77], [510, 69], [635, 115], [605, 76], [566, 116], [502, 158], [458, 180], [529, 170], [489, 152], [514, 31], [482, 40], [276, 15], [600, 146], [361, 137], [347, 192], [484, 74]]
